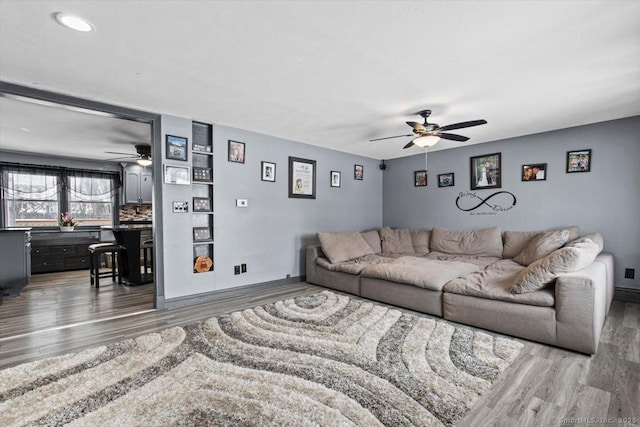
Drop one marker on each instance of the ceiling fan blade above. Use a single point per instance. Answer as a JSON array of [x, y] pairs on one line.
[[410, 144], [124, 154], [453, 137], [389, 137], [418, 127], [121, 158], [464, 125]]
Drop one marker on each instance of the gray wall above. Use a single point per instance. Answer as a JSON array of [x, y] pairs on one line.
[[271, 234], [606, 200]]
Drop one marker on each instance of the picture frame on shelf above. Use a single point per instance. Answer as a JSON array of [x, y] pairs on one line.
[[579, 161], [446, 179], [176, 148], [358, 172], [202, 204], [268, 171], [486, 171], [534, 172], [420, 178], [201, 148], [302, 178], [236, 151], [202, 174], [335, 179], [177, 175], [202, 234]]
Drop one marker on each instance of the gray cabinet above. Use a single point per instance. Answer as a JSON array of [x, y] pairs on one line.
[[15, 260], [138, 184]]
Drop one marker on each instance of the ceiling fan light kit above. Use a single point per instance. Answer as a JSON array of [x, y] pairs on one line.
[[430, 133]]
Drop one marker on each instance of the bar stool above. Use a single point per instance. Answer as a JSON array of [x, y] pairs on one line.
[[95, 252], [147, 254]]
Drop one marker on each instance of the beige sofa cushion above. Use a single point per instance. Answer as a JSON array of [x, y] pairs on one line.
[[516, 241], [541, 246], [396, 241], [594, 237], [485, 242], [565, 260], [420, 241], [372, 237], [341, 247]]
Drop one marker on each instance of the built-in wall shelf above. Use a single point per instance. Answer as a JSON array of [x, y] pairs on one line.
[[202, 205]]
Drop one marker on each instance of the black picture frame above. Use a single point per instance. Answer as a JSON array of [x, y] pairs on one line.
[[358, 172], [534, 172], [302, 178], [335, 179], [446, 180], [420, 178], [236, 151], [578, 161], [202, 174], [176, 148], [486, 171], [268, 171], [202, 234], [202, 204]]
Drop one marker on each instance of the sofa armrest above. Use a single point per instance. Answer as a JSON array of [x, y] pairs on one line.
[[313, 253], [581, 307]]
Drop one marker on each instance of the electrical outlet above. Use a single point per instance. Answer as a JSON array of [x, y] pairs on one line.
[[629, 273], [236, 269], [243, 267], [180, 207]]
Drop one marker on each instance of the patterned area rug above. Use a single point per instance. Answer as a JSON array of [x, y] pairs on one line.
[[324, 359]]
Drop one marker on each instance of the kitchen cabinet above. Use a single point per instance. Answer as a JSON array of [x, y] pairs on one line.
[[138, 184], [61, 255], [15, 260]]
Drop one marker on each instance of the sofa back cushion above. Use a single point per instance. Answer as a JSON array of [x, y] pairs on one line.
[[420, 241], [372, 237], [485, 242], [396, 241], [543, 272], [516, 241], [341, 247], [541, 246]]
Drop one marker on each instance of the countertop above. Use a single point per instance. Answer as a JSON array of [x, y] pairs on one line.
[[16, 229]]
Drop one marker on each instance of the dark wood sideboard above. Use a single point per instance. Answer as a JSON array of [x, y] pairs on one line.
[[61, 254]]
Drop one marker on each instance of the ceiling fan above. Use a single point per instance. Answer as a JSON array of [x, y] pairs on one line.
[[431, 133], [143, 158]]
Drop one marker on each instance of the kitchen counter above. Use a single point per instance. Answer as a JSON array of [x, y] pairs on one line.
[[15, 260]]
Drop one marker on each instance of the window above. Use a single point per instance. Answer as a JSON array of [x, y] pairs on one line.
[[35, 196]]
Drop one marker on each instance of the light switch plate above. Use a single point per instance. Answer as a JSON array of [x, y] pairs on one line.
[[242, 203], [181, 207]]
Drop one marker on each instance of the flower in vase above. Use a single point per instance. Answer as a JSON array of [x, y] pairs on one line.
[[66, 220]]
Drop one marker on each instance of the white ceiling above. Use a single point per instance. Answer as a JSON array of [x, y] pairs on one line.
[[337, 74]]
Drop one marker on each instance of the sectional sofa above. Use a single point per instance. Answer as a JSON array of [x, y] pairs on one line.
[[552, 286]]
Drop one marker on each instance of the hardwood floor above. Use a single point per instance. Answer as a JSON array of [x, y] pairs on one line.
[[56, 299], [544, 386]]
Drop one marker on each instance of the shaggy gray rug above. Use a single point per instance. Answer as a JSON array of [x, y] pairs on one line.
[[324, 359]]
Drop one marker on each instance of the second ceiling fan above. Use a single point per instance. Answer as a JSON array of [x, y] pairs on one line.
[[430, 133]]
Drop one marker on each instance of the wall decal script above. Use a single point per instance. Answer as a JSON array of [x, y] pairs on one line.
[[468, 199]]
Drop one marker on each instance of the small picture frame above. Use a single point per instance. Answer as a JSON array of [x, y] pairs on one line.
[[268, 171], [202, 175], [420, 178], [446, 179], [201, 234], [176, 148], [236, 152], [334, 179], [202, 204], [486, 171], [201, 148], [358, 172], [178, 175], [579, 161], [534, 172]]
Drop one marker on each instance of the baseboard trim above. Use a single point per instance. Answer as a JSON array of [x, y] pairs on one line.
[[627, 294], [225, 293]]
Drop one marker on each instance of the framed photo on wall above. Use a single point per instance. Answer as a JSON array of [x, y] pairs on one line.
[[179, 175], [486, 171], [579, 161], [268, 171], [358, 172], [534, 172], [236, 151], [176, 148], [420, 178], [335, 178], [202, 204], [446, 179], [302, 178]]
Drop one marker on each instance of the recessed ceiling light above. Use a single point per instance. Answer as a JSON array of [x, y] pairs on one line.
[[74, 22]]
